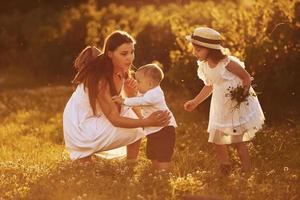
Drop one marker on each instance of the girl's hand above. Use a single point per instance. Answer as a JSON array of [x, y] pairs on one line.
[[158, 118], [118, 100], [190, 105], [130, 87]]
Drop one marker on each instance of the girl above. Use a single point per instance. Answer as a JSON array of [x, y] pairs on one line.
[[228, 123], [91, 121]]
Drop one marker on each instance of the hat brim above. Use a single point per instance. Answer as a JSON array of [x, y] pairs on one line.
[[188, 38], [207, 45]]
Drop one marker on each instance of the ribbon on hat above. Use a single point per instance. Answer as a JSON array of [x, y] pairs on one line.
[[201, 39]]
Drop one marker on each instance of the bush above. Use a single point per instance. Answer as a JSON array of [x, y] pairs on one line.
[[45, 41]]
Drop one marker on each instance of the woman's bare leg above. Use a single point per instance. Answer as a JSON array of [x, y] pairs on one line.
[[85, 159], [242, 149], [133, 150]]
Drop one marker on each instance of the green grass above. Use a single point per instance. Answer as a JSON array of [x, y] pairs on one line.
[[34, 164]]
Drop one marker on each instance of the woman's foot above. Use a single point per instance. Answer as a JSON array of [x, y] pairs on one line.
[[84, 159], [131, 163]]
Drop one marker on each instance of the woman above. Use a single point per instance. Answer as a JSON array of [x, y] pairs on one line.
[[91, 121]]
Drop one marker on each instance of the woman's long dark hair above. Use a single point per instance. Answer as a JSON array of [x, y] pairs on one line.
[[101, 67]]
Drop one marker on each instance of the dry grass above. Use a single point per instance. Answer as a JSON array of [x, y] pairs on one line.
[[34, 165]]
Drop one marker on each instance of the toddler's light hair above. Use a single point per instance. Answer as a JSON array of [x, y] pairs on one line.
[[153, 71]]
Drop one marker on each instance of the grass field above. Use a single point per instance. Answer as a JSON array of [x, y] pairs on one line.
[[34, 164]]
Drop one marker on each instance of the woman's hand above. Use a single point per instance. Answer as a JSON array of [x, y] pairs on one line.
[[158, 118], [190, 105], [130, 87]]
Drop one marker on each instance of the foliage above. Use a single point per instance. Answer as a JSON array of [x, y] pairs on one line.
[[44, 41], [239, 95]]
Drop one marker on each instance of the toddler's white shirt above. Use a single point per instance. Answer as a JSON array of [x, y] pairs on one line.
[[153, 100]]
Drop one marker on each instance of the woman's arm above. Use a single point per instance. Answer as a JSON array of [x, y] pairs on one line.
[[240, 72], [110, 110], [203, 94], [138, 112]]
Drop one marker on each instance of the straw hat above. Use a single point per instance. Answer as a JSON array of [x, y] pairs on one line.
[[206, 37]]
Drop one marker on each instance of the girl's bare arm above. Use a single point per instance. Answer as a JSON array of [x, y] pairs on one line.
[[239, 71], [203, 94]]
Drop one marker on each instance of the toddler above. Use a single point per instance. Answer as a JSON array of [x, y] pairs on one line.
[[160, 140]]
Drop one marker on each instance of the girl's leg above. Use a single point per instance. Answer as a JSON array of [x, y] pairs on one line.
[[222, 154], [223, 157], [242, 149], [133, 150]]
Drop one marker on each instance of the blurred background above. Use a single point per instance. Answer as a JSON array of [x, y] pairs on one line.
[[39, 40]]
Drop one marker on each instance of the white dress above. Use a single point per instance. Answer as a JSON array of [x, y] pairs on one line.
[[86, 134], [228, 124]]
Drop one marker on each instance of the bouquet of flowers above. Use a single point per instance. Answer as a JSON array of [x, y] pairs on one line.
[[239, 95]]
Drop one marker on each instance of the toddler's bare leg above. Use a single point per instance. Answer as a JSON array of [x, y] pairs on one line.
[[163, 166], [154, 163]]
